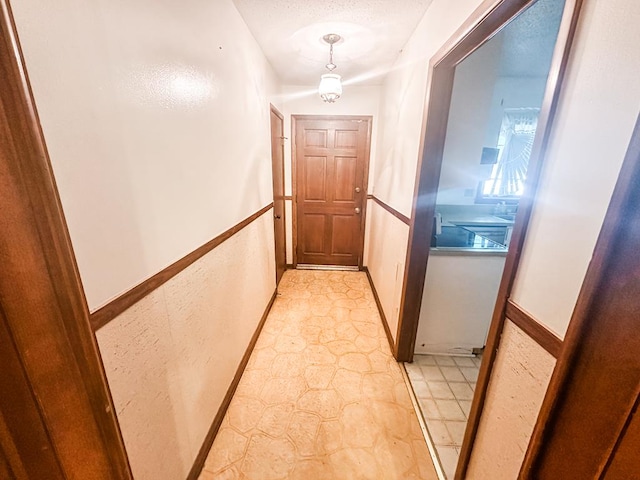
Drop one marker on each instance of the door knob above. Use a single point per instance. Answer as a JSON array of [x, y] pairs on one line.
[[357, 210], [357, 189], [277, 217]]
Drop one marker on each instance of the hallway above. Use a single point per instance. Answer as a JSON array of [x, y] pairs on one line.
[[322, 396]]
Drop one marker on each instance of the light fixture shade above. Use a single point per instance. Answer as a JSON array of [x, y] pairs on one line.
[[330, 87]]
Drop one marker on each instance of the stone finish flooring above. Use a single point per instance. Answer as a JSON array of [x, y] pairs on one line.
[[444, 387], [322, 396]]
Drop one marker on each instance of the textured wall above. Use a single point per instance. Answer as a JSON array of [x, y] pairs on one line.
[[156, 117], [597, 112], [520, 377], [171, 357], [386, 246]]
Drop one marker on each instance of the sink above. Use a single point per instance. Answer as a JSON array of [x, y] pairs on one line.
[[507, 216]]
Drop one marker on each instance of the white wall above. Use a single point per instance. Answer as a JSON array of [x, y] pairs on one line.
[[459, 296], [301, 100], [401, 110], [596, 115], [471, 107], [403, 101], [156, 117]]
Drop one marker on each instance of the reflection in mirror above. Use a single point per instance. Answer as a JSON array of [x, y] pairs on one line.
[[496, 99]]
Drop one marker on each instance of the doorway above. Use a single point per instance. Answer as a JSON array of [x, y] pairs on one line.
[[277, 166], [330, 170], [472, 202]]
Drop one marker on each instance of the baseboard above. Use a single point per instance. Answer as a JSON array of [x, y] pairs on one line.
[[385, 324], [199, 462]]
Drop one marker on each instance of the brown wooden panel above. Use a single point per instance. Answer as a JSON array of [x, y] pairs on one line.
[[345, 179], [346, 139], [594, 388], [20, 422], [624, 463], [277, 169], [543, 337], [345, 234], [315, 138], [314, 233], [330, 181], [42, 301], [315, 176]]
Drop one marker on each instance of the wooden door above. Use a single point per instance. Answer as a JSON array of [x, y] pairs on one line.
[[331, 165], [277, 164], [589, 426]]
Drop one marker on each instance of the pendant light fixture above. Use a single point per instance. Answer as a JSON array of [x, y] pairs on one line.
[[330, 87]]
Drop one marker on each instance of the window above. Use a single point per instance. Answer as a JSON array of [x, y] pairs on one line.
[[515, 142]]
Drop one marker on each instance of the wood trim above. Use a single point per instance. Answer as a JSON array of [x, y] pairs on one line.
[[385, 324], [199, 462], [273, 108], [595, 382], [403, 218], [543, 337], [43, 311], [288, 197], [111, 310]]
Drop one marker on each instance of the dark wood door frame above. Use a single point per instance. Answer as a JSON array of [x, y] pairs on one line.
[[294, 119], [279, 213], [55, 402], [490, 17], [595, 386]]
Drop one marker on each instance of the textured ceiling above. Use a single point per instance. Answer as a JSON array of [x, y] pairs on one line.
[[529, 40], [290, 34]]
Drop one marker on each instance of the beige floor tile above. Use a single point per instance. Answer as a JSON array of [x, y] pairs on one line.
[[429, 409], [471, 374], [462, 391], [464, 361], [456, 431], [440, 390], [465, 405], [432, 372], [449, 460], [450, 410], [421, 389], [423, 360], [452, 374], [439, 433], [322, 397], [444, 360]]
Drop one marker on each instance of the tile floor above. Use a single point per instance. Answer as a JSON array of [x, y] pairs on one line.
[[444, 388], [322, 397]]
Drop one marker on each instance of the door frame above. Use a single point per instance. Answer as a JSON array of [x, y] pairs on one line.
[[294, 171], [274, 110], [588, 389], [487, 20], [43, 309]]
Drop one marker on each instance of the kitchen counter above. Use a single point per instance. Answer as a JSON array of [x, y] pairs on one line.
[[455, 240], [478, 220]]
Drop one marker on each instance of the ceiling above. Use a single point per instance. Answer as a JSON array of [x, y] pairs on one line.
[[529, 40], [290, 33]]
